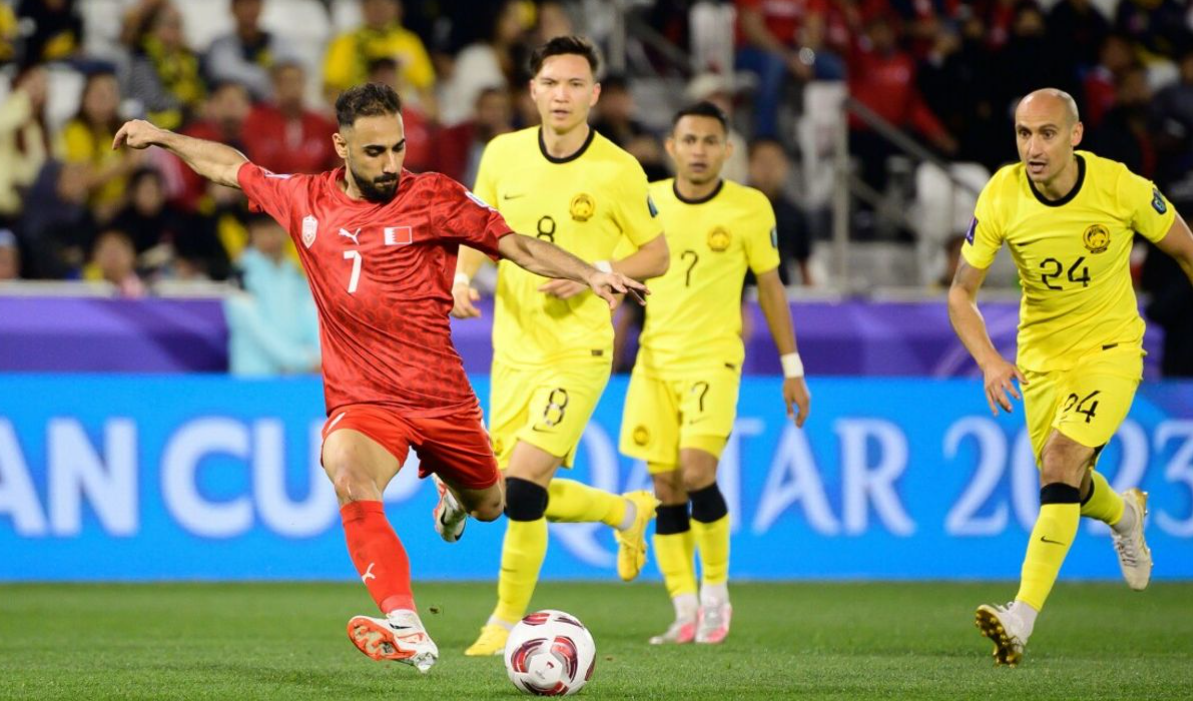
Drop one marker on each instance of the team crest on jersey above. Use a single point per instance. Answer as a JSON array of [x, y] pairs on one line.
[[1096, 238], [497, 446], [310, 227], [718, 239], [1158, 202], [641, 435], [582, 207]]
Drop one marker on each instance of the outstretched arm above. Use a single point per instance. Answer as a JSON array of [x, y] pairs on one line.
[[549, 260], [971, 329], [214, 161], [772, 297], [1178, 243]]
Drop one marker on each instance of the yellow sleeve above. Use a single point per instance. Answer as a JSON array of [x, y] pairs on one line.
[[418, 69], [338, 64], [75, 143], [761, 241], [485, 186], [984, 236], [1149, 213], [636, 213]]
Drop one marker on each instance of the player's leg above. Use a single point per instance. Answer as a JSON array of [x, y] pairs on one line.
[[360, 467], [675, 546], [710, 524], [524, 546], [1095, 404], [456, 451]]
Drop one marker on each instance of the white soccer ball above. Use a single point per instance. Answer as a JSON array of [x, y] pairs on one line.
[[550, 653]]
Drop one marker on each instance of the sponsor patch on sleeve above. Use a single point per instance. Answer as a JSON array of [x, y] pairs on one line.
[[1158, 202], [973, 227], [476, 199], [774, 237], [654, 211]]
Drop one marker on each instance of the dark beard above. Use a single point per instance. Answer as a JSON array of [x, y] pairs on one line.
[[379, 191]]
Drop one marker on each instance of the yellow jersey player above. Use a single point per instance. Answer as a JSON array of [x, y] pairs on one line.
[[553, 341], [682, 399], [1069, 218]]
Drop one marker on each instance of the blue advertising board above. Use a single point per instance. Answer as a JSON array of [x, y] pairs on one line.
[[208, 477]]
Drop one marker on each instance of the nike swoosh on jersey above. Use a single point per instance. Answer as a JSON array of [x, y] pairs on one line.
[[1025, 244], [1044, 539], [513, 197]]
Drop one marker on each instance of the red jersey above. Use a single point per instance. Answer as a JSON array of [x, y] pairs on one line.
[[381, 276]]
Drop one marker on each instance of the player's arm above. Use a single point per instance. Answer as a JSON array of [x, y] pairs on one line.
[[1178, 243], [549, 260], [772, 297], [971, 329], [214, 161], [651, 260]]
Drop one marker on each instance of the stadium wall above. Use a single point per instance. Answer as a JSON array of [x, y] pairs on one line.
[[152, 478]]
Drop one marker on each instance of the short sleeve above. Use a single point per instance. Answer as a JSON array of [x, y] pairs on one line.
[[1148, 212], [761, 240], [984, 236], [269, 192], [467, 219], [636, 213]]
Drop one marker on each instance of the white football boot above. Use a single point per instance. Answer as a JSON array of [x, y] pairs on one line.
[[450, 517], [1134, 557], [1006, 629], [399, 637], [712, 623], [681, 632]]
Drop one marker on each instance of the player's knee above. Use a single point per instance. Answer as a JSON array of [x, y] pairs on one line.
[[668, 487], [1062, 464], [490, 508], [708, 504], [351, 482], [698, 477], [524, 500]]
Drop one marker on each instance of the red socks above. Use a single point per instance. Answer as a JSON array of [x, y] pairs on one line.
[[378, 555]]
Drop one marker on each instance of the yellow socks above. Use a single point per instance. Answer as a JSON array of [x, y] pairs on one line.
[[1103, 503], [675, 546], [573, 502], [1055, 528], [710, 522], [522, 555]]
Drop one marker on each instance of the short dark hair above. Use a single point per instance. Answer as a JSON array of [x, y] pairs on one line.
[[366, 100], [703, 108], [561, 46]]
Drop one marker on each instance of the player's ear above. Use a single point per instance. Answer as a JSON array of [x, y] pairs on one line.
[[1078, 132], [596, 94], [341, 145]]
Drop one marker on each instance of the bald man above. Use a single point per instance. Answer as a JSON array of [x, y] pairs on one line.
[[1069, 218]]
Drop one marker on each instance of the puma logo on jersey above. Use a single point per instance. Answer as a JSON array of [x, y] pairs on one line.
[[368, 573], [355, 235]]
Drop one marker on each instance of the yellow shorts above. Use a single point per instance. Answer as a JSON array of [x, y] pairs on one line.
[[662, 416], [1087, 402], [548, 407]]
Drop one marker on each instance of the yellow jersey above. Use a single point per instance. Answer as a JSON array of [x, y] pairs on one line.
[[348, 56], [693, 314], [585, 203], [1073, 256]]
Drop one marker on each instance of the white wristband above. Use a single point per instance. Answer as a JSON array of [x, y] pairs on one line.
[[461, 279], [792, 365], [603, 266]]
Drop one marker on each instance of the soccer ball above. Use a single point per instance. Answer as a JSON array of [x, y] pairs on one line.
[[550, 653]]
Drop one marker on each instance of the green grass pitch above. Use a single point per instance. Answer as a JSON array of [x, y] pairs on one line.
[[807, 641]]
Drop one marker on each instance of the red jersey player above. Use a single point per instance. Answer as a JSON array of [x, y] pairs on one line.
[[379, 247]]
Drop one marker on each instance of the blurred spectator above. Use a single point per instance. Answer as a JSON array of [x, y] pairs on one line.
[[1125, 132], [526, 113], [113, 260], [954, 80], [224, 115], [1173, 109], [999, 18], [52, 29], [149, 221], [1171, 308], [284, 136], [22, 139], [273, 329], [883, 77], [8, 34], [1157, 29], [415, 122], [382, 36], [1026, 62], [164, 73], [1076, 28], [553, 21], [10, 256], [488, 64], [617, 122], [1101, 83], [715, 88], [459, 148], [778, 39], [87, 140], [769, 168], [247, 54], [57, 226], [952, 259]]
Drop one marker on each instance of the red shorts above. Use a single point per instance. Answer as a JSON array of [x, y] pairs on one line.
[[454, 447]]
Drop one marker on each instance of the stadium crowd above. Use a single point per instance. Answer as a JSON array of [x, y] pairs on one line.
[[945, 71]]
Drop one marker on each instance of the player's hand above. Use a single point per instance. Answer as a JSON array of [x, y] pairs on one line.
[[797, 396], [138, 134], [998, 380], [464, 296], [608, 286], [563, 289]]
